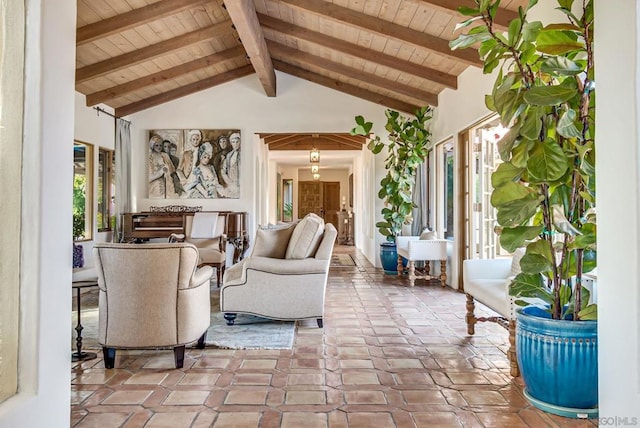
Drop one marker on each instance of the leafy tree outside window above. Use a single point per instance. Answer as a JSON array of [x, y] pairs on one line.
[[82, 188]]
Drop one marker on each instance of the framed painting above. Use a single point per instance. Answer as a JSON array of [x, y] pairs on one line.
[[194, 163]]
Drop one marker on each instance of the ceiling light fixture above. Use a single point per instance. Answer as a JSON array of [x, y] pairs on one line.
[[314, 155], [316, 176], [315, 169]]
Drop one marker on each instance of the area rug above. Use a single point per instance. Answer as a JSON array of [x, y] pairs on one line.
[[248, 332], [339, 260]]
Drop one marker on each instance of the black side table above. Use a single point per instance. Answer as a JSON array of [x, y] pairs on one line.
[[80, 355]]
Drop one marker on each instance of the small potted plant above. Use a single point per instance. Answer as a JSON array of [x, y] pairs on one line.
[[544, 192], [406, 150]]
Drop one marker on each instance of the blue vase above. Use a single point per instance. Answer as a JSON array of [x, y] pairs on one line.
[[389, 258], [559, 363]]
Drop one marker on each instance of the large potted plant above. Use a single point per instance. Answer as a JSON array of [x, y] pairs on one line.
[[544, 192], [406, 149]]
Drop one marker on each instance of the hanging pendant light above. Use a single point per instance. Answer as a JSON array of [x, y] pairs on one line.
[[315, 169], [314, 155]]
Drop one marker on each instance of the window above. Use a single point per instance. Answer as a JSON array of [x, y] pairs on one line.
[[448, 183], [82, 191], [106, 190]]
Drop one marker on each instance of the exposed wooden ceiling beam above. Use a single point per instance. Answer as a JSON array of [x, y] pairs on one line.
[[386, 28], [244, 17], [134, 18], [284, 139], [427, 73], [308, 143], [162, 76], [129, 59], [184, 90], [346, 88], [503, 16], [356, 140], [346, 143], [283, 51]]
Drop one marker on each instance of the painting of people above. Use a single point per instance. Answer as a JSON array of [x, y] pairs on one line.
[[194, 163]]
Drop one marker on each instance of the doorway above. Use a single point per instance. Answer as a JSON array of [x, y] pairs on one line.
[[321, 198]]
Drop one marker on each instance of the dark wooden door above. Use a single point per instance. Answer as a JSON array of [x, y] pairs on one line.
[[331, 201], [309, 198]]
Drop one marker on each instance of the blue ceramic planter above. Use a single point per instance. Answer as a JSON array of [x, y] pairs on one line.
[[389, 258], [559, 363]]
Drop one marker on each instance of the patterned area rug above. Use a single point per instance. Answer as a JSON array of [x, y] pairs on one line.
[[248, 332], [338, 260]]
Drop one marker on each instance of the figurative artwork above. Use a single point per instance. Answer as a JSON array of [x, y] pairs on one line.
[[194, 163]]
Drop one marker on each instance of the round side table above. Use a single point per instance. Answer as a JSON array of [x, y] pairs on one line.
[[80, 355]]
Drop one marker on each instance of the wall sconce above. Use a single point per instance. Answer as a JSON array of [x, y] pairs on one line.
[[315, 169], [314, 155], [316, 176]]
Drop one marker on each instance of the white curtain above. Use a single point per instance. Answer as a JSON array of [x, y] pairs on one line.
[[419, 197], [123, 201]]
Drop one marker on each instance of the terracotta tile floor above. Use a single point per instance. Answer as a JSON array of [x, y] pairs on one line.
[[388, 356]]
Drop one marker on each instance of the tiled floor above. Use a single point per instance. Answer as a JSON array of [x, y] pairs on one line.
[[388, 356]]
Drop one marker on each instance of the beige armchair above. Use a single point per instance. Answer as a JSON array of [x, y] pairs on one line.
[[208, 237], [150, 296], [285, 276]]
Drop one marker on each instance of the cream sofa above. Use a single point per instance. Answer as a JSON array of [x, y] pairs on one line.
[[150, 296], [285, 276]]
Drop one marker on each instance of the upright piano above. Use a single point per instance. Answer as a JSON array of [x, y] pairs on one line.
[[145, 225]]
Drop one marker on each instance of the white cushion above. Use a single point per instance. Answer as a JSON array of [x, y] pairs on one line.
[[490, 292], [272, 242], [428, 234], [305, 238], [515, 261], [204, 225]]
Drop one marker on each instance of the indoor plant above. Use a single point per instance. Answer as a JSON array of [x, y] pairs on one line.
[[544, 191], [406, 150]]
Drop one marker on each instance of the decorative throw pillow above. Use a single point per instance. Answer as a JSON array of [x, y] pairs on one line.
[[515, 261], [272, 242], [428, 234], [305, 237], [78, 256]]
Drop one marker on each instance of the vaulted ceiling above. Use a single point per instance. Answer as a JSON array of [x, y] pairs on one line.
[[136, 54]]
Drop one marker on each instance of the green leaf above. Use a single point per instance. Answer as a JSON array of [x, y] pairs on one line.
[[548, 95], [512, 238], [589, 313], [560, 65], [532, 286], [535, 263], [567, 126], [561, 223], [532, 123], [566, 4], [530, 31], [509, 192], [504, 173], [520, 154], [466, 23], [514, 30], [505, 144], [518, 211], [558, 42], [547, 162], [468, 11], [465, 40]]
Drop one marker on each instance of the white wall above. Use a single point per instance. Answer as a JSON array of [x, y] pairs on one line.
[[300, 106], [617, 76], [45, 361]]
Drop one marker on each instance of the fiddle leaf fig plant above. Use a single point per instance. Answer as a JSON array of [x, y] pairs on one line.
[[544, 191], [406, 149]]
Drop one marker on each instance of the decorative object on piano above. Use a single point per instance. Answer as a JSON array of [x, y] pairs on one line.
[[194, 163], [175, 209]]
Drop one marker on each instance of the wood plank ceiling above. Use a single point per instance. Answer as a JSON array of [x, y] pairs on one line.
[[136, 54]]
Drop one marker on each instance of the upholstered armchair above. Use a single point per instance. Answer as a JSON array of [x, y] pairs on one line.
[[205, 230], [150, 296], [285, 276], [415, 249]]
